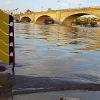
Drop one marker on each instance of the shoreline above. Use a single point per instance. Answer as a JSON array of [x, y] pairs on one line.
[[62, 87], [30, 84], [79, 95]]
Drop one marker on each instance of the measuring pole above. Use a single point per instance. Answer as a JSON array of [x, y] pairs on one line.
[[7, 49]]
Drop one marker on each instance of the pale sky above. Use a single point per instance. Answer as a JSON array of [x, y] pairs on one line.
[[39, 5]]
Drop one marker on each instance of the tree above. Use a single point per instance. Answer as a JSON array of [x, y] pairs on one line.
[[28, 11], [86, 21], [49, 9]]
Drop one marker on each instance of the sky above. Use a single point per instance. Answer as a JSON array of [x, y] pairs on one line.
[[40, 5]]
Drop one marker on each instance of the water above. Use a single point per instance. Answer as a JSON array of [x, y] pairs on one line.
[[47, 56]]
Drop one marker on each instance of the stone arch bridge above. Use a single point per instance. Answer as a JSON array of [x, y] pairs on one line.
[[65, 16]]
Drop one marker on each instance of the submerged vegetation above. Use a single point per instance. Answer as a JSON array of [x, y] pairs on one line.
[[86, 21]]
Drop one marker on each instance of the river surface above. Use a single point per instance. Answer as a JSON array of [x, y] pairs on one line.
[[51, 55]]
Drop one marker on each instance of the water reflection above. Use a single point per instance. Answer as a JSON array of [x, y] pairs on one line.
[[57, 51]]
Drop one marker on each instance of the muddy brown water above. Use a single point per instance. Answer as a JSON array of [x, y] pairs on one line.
[[55, 57], [58, 52]]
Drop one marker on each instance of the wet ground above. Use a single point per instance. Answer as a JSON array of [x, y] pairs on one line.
[[56, 58], [6, 83], [67, 95]]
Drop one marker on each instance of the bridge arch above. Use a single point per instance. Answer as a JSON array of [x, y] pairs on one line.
[[44, 19], [25, 19], [69, 20]]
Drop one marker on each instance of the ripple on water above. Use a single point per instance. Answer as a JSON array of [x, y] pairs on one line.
[[58, 51]]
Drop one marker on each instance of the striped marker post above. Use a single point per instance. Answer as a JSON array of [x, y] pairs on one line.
[[7, 52]]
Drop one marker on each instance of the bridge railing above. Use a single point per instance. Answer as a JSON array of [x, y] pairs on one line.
[[7, 54]]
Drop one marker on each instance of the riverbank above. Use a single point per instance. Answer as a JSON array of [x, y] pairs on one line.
[[6, 83], [69, 95], [29, 84]]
